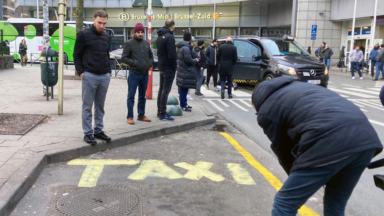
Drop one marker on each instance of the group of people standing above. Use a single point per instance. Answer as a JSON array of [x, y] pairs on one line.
[[181, 60], [377, 59]]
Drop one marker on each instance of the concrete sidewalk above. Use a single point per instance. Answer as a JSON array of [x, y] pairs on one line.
[[59, 138]]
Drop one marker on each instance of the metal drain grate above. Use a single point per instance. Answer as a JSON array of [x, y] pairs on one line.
[[98, 201]]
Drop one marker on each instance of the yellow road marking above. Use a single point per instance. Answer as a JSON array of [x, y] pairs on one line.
[[95, 167], [240, 175], [154, 168], [196, 172], [275, 182]]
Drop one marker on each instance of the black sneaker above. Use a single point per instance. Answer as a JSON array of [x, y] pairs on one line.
[[230, 96], [102, 136], [374, 79], [89, 139], [199, 94], [222, 95], [166, 117]]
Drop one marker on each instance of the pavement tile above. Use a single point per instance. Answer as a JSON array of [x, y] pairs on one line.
[[3, 181], [32, 138], [10, 137], [50, 140], [8, 143], [15, 162], [7, 152]]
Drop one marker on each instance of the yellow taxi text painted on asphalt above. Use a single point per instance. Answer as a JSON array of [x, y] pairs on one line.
[[158, 168]]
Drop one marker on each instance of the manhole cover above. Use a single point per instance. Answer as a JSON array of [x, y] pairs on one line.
[[102, 200], [18, 124]]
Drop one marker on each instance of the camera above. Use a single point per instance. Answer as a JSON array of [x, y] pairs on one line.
[[379, 179]]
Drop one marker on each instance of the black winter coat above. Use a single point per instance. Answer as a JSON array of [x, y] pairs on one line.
[[22, 49], [211, 53], [203, 59], [138, 55], [310, 125], [186, 66], [327, 53], [166, 50], [227, 57], [91, 52]]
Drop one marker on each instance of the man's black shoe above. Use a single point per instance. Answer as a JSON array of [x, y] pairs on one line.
[[102, 136], [230, 96], [198, 94], [166, 117], [89, 139], [222, 95]]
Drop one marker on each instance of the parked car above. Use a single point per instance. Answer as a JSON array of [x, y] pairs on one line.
[[264, 58], [116, 54]]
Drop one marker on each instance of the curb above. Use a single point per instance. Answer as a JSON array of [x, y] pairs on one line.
[[19, 184]]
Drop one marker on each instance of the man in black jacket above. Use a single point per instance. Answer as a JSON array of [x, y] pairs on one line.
[[200, 66], [91, 57], [138, 55], [166, 52], [319, 137], [227, 57], [327, 56], [211, 54]]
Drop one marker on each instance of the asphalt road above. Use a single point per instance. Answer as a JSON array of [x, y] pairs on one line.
[[366, 199], [198, 172]]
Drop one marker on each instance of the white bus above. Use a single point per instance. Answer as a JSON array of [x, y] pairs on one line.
[[35, 45]]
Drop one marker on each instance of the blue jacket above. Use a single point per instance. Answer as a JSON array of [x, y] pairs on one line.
[[310, 125], [373, 54]]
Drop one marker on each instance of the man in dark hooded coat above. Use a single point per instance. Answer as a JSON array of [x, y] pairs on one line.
[[319, 137]]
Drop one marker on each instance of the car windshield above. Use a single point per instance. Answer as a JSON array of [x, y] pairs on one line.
[[279, 47]]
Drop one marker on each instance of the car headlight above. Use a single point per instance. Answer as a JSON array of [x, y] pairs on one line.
[[326, 71], [287, 69]]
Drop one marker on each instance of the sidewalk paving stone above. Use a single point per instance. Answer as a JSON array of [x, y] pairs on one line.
[[59, 138]]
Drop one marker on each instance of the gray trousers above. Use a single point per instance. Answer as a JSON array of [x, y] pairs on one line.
[[95, 89]]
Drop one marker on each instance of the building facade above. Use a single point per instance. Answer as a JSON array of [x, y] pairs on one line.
[[333, 19]]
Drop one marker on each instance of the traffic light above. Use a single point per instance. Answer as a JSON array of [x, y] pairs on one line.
[[144, 3]]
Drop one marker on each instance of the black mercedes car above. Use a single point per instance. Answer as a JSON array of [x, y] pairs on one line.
[[263, 58]]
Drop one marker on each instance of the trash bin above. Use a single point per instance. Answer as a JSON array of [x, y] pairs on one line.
[[49, 70]]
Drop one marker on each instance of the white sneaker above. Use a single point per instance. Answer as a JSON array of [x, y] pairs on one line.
[[361, 78], [189, 97], [353, 77], [216, 89]]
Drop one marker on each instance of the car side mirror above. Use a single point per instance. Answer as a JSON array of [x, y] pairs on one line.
[[256, 58]]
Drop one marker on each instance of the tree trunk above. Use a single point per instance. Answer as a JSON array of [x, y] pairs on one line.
[[79, 19]]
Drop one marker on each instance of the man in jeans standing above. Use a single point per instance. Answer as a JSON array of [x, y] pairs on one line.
[[200, 66], [166, 52], [372, 57], [380, 63], [91, 57], [327, 54], [212, 68], [138, 55], [355, 58]]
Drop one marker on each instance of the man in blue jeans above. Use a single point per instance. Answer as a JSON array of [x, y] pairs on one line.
[[138, 55], [355, 58], [320, 139], [380, 63]]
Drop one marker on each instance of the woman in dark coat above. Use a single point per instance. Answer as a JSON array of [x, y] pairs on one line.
[[186, 70], [23, 53]]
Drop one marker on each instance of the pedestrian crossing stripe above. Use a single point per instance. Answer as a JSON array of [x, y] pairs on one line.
[[232, 101], [363, 91], [158, 168], [352, 93]]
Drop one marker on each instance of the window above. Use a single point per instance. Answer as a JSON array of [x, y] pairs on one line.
[[249, 31], [203, 32], [281, 47], [179, 32], [227, 32], [118, 31], [245, 49]]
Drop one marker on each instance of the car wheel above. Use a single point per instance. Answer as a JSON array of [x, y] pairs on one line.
[[268, 76]]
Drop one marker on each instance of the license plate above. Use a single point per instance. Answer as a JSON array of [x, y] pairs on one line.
[[313, 81]]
